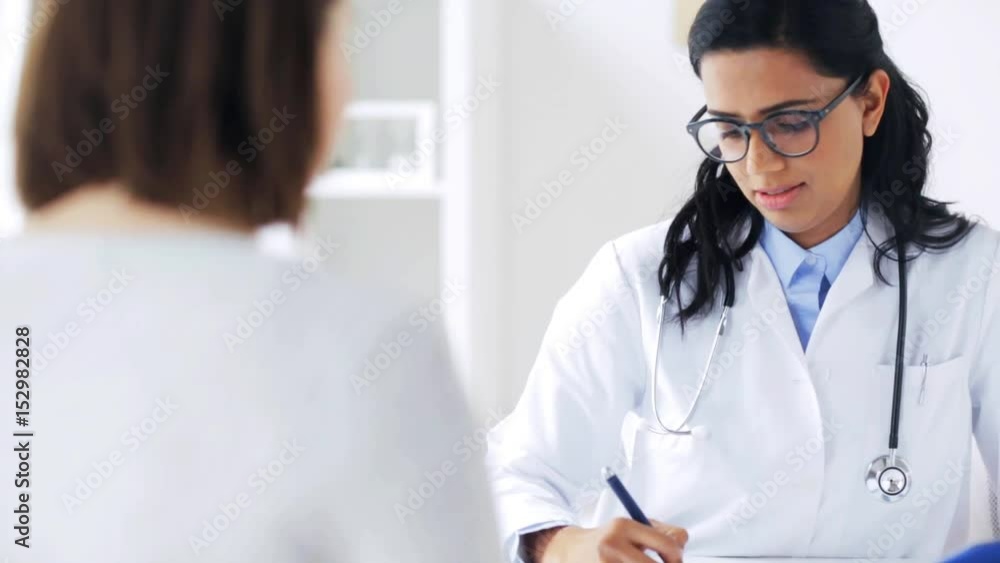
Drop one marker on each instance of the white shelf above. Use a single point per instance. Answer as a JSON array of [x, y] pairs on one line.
[[330, 186]]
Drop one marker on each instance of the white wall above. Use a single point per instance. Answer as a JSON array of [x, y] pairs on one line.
[[949, 49], [566, 79], [402, 60], [392, 243], [618, 60], [603, 63], [387, 242]]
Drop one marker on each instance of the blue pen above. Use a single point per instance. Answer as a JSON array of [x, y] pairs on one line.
[[626, 499]]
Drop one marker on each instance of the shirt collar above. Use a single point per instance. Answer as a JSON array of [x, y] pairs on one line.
[[786, 255]]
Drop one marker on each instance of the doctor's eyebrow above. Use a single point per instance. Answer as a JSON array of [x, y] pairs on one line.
[[769, 109]]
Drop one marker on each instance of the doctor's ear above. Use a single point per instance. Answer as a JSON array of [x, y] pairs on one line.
[[873, 101]]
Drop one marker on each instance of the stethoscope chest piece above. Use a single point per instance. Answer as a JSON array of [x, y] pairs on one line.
[[889, 478]]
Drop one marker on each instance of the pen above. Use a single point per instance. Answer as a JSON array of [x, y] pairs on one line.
[[626, 499]]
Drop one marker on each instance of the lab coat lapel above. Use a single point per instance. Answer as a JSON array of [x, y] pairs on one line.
[[857, 275], [768, 299]]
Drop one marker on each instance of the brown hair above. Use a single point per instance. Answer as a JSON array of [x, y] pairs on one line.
[[212, 107]]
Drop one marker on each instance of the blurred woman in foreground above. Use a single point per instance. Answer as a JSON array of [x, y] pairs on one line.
[[190, 398]]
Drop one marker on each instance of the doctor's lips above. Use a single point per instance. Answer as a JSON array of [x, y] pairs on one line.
[[778, 198]]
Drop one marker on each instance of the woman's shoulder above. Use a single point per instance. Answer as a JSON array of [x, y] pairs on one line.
[[223, 293], [640, 251], [978, 248], [983, 236]]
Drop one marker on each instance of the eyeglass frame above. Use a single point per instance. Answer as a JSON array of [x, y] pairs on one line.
[[813, 116]]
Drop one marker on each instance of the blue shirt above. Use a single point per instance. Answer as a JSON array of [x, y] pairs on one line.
[[806, 275], [987, 553]]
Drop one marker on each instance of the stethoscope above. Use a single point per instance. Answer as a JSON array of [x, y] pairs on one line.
[[888, 476]]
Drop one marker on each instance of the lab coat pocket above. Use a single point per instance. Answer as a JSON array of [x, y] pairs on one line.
[[932, 396], [673, 475], [935, 424]]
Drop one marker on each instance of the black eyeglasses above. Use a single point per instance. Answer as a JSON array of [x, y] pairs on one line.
[[791, 133]]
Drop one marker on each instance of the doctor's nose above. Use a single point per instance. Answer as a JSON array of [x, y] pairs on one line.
[[761, 159]]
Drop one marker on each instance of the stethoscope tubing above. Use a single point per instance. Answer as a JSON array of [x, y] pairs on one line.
[[893, 460], [897, 383], [720, 329]]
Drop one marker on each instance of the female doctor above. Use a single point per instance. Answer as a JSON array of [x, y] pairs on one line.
[[796, 363]]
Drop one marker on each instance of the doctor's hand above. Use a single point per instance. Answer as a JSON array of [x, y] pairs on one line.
[[620, 541]]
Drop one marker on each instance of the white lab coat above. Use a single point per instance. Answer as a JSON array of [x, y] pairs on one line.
[[791, 433]]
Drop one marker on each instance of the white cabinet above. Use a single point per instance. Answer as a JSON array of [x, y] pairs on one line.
[[411, 60], [381, 199]]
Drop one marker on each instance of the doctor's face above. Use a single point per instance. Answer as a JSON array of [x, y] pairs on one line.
[[809, 197]]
